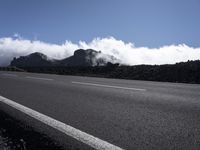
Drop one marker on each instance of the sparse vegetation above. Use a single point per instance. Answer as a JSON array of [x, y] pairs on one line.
[[185, 72], [11, 68]]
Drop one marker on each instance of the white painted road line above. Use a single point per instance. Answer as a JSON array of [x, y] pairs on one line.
[[37, 78], [77, 134], [9, 74], [108, 86]]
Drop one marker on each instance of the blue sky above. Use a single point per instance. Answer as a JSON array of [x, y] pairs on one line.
[[151, 23]]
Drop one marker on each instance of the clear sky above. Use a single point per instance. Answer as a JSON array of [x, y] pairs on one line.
[[151, 23]]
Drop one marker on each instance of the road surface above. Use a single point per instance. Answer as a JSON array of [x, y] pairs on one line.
[[126, 113]]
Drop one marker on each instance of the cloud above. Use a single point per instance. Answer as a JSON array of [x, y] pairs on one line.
[[127, 53]]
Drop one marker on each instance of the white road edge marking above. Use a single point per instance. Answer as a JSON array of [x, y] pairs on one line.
[[29, 77], [66, 129], [109, 86], [9, 74]]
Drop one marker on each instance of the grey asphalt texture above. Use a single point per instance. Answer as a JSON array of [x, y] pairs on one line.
[[165, 116]]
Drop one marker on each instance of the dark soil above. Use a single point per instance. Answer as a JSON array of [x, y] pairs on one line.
[[15, 135]]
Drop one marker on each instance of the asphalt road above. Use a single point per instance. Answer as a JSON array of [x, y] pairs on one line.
[[127, 113]]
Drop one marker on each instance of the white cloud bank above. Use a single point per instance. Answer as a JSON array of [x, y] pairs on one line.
[[126, 52]]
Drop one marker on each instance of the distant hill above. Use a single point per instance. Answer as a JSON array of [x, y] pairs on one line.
[[81, 57], [87, 57], [33, 60]]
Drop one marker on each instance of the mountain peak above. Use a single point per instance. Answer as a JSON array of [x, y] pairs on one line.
[[38, 55], [81, 57], [33, 60], [82, 52]]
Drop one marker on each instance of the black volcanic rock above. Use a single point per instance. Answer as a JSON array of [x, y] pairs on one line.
[[81, 57], [33, 60]]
